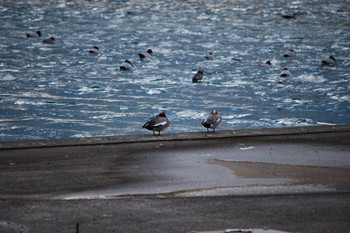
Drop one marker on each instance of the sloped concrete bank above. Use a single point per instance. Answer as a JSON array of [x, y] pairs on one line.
[[290, 179]]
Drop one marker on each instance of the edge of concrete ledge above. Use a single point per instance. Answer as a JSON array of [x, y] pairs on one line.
[[122, 139]]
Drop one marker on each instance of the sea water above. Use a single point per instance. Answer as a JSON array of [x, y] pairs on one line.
[[63, 91]]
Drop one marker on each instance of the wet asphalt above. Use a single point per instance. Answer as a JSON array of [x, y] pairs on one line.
[[169, 183]]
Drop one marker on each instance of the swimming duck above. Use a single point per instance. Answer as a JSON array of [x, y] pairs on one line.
[[94, 50], [212, 121], [293, 16], [50, 40], [33, 35], [285, 72], [329, 61], [280, 85], [289, 53], [157, 123], [147, 54], [126, 65], [209, 56], [268, 63], [198, 76]]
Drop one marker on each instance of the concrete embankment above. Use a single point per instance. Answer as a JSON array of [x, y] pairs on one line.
[[291, 179]]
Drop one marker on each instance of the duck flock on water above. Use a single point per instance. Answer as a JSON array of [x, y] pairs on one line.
[[160, 121]]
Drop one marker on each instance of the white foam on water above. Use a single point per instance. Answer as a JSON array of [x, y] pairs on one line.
[[311, 78]]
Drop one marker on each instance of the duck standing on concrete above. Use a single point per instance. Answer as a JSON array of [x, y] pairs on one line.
[[50, 40], [126, 65], [329, 61], [212, 121], [157, 123], [147, 54], [198, 76]]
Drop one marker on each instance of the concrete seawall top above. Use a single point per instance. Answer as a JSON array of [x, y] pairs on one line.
[[124, 139]]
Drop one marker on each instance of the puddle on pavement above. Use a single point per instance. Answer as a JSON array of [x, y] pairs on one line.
[[332, 177]]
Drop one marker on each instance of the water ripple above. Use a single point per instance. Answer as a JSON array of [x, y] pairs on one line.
[[61, 90]]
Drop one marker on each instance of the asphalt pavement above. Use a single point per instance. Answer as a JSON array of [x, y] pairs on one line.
[[290, 179]]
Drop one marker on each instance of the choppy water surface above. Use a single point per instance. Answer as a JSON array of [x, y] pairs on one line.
[[55, 91]]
